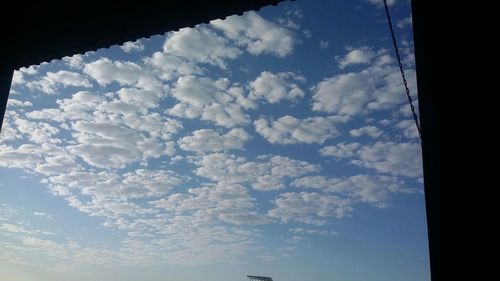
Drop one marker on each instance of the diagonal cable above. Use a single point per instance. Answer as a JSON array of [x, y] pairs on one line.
[[396, 49]]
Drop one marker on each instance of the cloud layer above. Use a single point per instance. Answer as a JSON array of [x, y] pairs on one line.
[[192, 157]]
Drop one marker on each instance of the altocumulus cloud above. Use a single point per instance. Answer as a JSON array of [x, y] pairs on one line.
[[162, 148]]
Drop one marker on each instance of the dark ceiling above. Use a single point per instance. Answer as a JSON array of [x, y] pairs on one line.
[[41, 31], [35, 32]]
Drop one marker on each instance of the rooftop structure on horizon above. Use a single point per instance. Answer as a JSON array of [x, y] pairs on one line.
[[259, 278]]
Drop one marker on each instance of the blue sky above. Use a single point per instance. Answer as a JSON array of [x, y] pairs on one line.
[[276, 143]]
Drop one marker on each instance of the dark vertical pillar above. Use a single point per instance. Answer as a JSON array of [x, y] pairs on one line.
[[5, 81], [432, 30]]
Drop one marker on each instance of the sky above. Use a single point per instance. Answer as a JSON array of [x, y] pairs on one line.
[[276, 143]]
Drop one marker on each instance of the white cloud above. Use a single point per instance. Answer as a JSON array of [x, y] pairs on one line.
[[251, 218], [385, 122], [316, 181], [343, 93], [17, 103], [108, 207], [100, 132], [341, 150], [290, 130], [380, 3], [362, 55], [141, 98], [198, 91], [79, 106], [371, 131], [169, 67], [52, 80], [257, 34], [267, 257], [17, 78], [20, 229], [309, 207], [43, 214], [107, 145], [75, 61], [408, 127], [401, 159], [132, 47], [265, 175], [106, 134], [211, 100], [402, 23], [58, 164], [31, 70], [105, 71], [67, 78], [154, 124], [37, 132], [9, 131], [105, 156], [376, 87], [81, 101], [25, 156], [229, 202], [405, 109], [200, 45], [376, 190], [276, 87], [112, 188], [144, 182], [206, 140], [302, 231]]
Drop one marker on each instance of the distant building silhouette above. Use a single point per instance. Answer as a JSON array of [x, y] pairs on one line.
[[259, 278]]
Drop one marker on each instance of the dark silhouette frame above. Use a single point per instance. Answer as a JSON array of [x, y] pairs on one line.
[[41, 31]]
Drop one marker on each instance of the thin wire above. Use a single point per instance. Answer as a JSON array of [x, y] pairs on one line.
[[396, 49]]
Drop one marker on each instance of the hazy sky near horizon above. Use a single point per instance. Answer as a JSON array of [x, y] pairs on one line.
[[275, 143]]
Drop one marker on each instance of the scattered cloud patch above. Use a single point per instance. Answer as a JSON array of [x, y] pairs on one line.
[[341, 150], [207, 140], [309, 207], [169, 67], [43, 215], [380, 3], [404, 22], [18, 103], [304, 231], [371, 131], [408, 128], [291, 130], [20, 229], [161, 150], [125, 73], [17, 78], [49, 84], [257, 34], [200, 45], [107, 145], [132, 47], [399, 159], [362, 55], [376, 87], [212, 100], [276, 87], [375, 190], [267, 174], [75, 61]]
